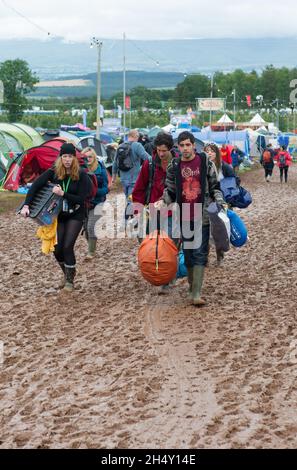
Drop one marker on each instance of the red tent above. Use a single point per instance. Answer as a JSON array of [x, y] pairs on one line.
[[26, 168]]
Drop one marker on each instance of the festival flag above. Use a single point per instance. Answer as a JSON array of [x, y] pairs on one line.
[[128, 102]]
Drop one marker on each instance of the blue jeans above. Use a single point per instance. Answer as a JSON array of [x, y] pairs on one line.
[[197, 256], [128, 188]]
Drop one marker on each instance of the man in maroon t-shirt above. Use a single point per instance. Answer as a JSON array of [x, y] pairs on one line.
[[192, 182]]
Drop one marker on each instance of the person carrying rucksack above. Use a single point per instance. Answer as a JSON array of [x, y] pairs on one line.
[[96, 169], [284, 160], [128, 160], [267, 161]]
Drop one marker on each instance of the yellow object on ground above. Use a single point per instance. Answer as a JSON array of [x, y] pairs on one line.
[[48, 235]]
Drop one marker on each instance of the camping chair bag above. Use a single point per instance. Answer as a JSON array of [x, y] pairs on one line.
[[219, 226]]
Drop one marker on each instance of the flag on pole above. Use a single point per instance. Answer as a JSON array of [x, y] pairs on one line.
[[128, 102]]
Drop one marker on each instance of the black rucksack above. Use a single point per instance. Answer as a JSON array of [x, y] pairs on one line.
[[124, 156]]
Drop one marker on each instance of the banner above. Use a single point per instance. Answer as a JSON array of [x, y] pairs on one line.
[[128, 102], [249, 100], [211, 104]]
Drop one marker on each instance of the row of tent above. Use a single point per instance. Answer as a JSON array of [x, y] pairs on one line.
[[14, 140], [26, 167], [24, 153]]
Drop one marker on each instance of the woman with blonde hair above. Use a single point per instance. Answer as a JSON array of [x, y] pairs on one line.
[[72, 184], [96, 167]]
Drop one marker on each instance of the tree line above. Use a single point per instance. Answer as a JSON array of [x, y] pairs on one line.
[[269, 89]]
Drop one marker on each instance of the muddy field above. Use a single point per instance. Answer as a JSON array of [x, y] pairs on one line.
[[115, 365]]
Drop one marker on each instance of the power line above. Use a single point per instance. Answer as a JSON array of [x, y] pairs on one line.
[[25, 17], [145, 53]]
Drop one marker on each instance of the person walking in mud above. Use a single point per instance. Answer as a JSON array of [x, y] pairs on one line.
[[98, 169], [284, 160], [192, 182], [237, 157], [150, 185], [267, 161], [129, 158], [224, 171], [72, 184]]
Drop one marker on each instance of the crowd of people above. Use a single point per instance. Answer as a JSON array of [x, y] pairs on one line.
[[154, 177]]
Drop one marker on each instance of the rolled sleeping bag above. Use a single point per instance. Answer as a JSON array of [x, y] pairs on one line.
[[219, 226], [239, 231], [157, 258]]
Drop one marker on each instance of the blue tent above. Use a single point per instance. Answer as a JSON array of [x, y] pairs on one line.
[[239, 138]]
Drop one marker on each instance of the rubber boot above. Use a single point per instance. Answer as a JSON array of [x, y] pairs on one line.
[[91, 248], [220, 257], [63, 281], [70, 275], [190, 279], [198, 274]]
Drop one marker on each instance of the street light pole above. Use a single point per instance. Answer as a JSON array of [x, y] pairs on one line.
[[277, 116], [124, 83], [98, 43], [211, 96], [234, 108]]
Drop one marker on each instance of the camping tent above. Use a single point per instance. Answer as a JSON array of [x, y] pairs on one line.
[[225, 120], [25, 135], [28, 166], [34, 136], [8, 143], [257, 121]]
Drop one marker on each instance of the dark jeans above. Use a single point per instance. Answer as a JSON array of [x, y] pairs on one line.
[[282, 171], [268, 172], [198, 256], [68, 231]]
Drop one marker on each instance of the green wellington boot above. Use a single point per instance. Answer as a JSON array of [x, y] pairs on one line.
[[63, 280], [91, 248], [198, 274], [70, 275]]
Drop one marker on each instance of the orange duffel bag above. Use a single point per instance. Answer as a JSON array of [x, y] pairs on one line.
[[157, 258]]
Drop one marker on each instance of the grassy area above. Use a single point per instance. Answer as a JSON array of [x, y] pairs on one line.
[[9, 201]]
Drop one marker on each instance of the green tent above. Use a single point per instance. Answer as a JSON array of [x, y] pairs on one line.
[[35, 137], [25, 135], [8, 143]]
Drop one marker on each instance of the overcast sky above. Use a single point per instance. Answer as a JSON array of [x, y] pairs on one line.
[[78, 20]]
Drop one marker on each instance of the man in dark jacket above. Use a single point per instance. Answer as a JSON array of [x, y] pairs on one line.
[[192, 182], [267, 161]]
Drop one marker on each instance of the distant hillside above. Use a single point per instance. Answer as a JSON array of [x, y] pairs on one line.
[[54, 58], [112, 82]]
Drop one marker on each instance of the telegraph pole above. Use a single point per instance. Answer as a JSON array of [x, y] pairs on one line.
[[211, 96], [124, 84], [96, 42]]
